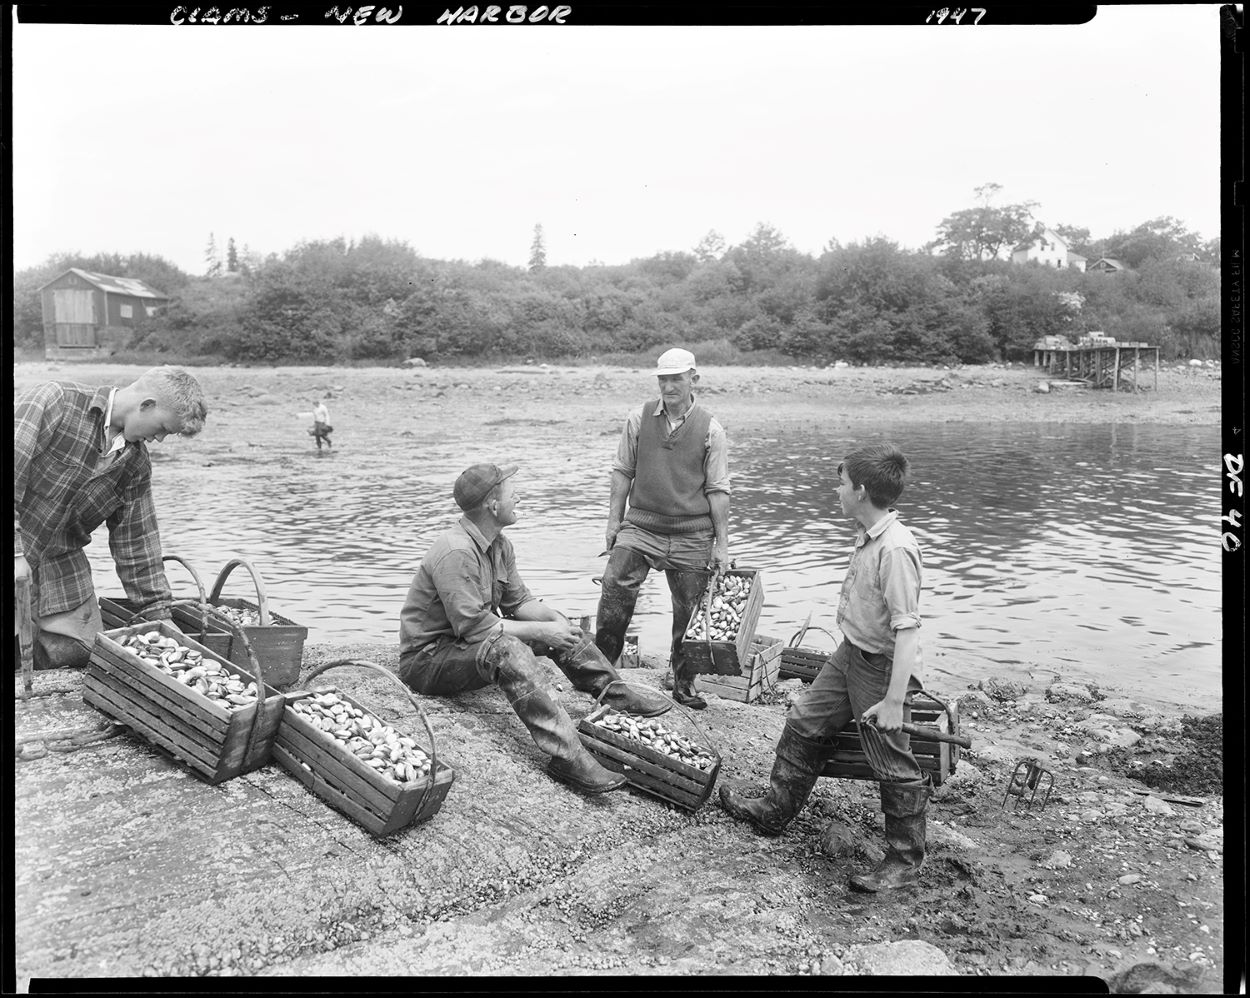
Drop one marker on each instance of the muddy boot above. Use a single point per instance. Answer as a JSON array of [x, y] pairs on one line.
[[626, 571], [59, 651], [904, 807], [686, 588], [798, 764], [510, 664], [590, 672]]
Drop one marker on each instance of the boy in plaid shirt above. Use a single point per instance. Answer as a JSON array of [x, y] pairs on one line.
[[80, 459]]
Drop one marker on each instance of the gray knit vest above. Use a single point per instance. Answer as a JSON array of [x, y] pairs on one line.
[[667, 493]]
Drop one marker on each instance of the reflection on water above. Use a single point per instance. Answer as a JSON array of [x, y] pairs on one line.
[[1090, 551]]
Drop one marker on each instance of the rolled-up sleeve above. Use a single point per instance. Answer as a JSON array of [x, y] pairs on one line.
[[135, 542], [457, 578], [716, 459], [627, 448], [899, 578]]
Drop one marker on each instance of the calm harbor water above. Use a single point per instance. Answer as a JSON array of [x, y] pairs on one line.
[[1090, 551]]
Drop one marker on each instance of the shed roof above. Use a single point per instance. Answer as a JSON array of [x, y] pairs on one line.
[[1106, 259], [114, 285]]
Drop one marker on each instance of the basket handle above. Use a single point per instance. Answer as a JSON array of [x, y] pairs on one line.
[[623, 682], [199, 584], [261, 600], [798, 635], [361, 663], [911, 695]]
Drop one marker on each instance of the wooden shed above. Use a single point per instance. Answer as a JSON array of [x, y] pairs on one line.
[[93, 315]]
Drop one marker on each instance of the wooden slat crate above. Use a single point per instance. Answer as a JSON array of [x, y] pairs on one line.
[[212, 741], [728, 658], [939, 759], [380, 805], [653, 772], [761, 673], [802, 663], [118, 611]]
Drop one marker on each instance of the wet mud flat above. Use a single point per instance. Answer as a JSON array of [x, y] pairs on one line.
[[127, 865]]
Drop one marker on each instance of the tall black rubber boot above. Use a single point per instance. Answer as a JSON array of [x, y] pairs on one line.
[[795, 770], [686, 589], [617, 601], [904, 806], [510, 665], [588, 670]]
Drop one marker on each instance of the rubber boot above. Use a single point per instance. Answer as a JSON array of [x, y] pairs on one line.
[[904, 807], [686, 589], [621, 580], [795, 770], [59, 651], [510, 665], [590, 672]]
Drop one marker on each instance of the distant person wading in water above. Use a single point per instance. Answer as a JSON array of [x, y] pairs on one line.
[[321, 428]]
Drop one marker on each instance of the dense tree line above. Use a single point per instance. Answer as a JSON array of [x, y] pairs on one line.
[[957, 300]]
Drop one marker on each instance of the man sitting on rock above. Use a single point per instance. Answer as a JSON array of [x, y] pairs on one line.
[[470, 621]]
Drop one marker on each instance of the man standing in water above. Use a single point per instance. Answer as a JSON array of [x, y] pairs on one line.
[[672, 466], [469, 621], [80, 458], [321, 423]]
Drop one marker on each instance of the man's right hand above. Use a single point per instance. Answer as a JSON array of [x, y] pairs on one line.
[[561, 635], [609, 537], [21, 568]]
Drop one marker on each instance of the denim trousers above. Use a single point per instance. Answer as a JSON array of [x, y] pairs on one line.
[[850, 682]]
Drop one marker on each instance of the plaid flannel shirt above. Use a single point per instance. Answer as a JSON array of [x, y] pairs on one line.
[[60, 497]]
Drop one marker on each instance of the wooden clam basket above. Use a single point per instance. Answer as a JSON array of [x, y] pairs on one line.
[[653, 772], [938, 759], [802, 663], [214, 742], [277, 642], [380, 805], [729, 658], [194, 619], [758, 676]]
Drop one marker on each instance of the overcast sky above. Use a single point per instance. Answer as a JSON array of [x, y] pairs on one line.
[[621, 142]]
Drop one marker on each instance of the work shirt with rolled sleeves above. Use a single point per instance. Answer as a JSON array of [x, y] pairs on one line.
[[881, 590], [69, 476], [464, 588]]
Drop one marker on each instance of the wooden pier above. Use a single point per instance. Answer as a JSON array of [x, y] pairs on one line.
[[1103, 365]]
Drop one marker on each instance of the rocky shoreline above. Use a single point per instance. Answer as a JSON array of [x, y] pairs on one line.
[[518, 876]]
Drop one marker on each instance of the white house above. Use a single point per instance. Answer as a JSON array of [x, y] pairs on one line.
[[1049, 249]]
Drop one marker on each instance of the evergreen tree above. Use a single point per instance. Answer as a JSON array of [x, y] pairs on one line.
[[538, 252], [232, 257], [212, 259]]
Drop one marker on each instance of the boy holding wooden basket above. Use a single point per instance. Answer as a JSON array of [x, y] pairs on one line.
[[866, 679]]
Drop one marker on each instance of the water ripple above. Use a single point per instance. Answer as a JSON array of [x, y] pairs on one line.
[[1088, 546]]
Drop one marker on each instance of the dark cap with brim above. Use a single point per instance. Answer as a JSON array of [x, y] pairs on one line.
[[475, 483]]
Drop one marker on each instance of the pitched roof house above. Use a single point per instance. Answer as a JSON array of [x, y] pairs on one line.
[[1049, 249], [1106, 265], [91, 315]]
